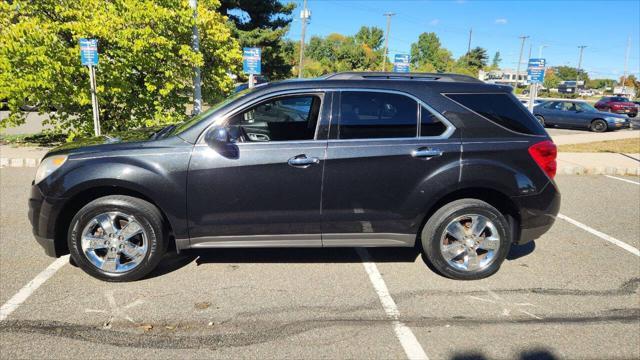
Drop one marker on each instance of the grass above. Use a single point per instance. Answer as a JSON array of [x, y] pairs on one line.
[[613, 146], [40, 139]]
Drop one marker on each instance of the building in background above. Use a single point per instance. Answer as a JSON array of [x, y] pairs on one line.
[[504, 77]]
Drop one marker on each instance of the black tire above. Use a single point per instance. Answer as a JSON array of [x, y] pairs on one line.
[[146, 214], [540, 120], [434, 229], [598, 125]]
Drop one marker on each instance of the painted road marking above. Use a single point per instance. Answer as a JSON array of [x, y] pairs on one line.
[[33, 285], [621, 179], [408, 340], [601, 235]]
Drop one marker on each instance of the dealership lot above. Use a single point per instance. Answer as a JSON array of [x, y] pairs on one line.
[[571, 294]]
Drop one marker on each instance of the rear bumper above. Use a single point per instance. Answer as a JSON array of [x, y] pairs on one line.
[[537, 213]]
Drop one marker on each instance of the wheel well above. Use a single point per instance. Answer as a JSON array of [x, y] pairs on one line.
[[81, 199], [493, 197]]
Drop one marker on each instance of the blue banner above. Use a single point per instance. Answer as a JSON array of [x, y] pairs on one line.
[[251, 60], [89, 52]]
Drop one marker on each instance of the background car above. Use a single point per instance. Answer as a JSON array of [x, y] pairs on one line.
[[617, 105], [578, 115]]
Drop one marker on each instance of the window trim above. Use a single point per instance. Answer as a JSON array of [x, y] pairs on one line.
[[450, 129], [224, 118]]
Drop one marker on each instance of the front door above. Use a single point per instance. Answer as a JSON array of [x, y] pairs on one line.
[[267, 191], [378, 163]]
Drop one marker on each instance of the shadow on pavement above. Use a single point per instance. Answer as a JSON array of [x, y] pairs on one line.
[[536, 354], [518, 251]]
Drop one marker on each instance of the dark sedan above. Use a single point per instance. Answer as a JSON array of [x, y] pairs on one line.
[[578, 115]]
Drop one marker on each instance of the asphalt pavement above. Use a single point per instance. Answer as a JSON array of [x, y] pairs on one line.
[[571, 294]]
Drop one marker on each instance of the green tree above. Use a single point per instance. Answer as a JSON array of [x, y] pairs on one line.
[[476, 58], [601, 83], [338, 52], [146, 62], [428, 55], [495, 63], [263, 24], [370, 36], [568, 73], [551, 80]]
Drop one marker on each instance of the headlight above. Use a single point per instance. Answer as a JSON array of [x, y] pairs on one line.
[[614, 119], [48, 166]]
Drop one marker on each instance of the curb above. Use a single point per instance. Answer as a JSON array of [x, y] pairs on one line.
[[598, 170], [19, 162]]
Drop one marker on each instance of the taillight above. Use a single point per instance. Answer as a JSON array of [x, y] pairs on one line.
[[544, 154]]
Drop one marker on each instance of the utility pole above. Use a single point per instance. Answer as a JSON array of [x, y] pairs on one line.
[[626, 63], [523, 38], [581, 47], [386, 40], [469, 45], [304, 16], [195, 44]]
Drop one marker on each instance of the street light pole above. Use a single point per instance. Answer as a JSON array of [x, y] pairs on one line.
[[626, 63], [540, 50], [304, 15], [581, 47], [524, 38], [195, 43], [386, 40]]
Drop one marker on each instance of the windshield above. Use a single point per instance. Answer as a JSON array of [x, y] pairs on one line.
[[194, 120]]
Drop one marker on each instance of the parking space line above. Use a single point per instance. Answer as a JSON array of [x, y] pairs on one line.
[[24, 293], [601, 235], [408, 340], [621, 179]]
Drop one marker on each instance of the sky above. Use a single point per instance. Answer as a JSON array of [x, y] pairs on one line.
[[603, 26]]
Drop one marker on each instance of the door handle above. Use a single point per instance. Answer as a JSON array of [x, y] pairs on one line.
[[303, 161], [426, 153]]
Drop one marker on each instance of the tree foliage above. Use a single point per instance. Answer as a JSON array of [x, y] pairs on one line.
[[428, 55], [476, 58], [568, 73], [263, 24], [337, 52], [495, 63], [146, 62]]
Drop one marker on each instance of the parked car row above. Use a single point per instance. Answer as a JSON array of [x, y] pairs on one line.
[[578, 115]]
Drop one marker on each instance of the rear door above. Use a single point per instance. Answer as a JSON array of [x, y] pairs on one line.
[[378, 160]]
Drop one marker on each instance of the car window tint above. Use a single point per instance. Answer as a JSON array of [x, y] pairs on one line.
[[281, 119], [366, 115], [430, 125], [502, 109]]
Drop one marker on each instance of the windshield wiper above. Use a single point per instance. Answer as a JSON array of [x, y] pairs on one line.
[[162, 132]]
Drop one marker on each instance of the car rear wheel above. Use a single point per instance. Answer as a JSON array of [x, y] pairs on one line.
[[467, 239], [598, 125], [540, 119], [117, 238]]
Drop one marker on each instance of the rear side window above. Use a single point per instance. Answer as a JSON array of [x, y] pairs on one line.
[[501, 109], [369, 115]]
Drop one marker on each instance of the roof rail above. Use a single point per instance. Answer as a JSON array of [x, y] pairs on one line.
[[375, 75]]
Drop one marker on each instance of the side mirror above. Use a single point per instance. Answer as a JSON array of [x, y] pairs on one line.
[[220, 139], [218, 136]]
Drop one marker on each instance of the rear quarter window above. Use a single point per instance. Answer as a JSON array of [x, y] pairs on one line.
[[501, 109]]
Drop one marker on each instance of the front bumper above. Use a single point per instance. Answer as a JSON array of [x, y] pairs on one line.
[[628, 112], [537, 213], [42, 215]]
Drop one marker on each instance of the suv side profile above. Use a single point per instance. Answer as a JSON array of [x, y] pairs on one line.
[[445, 163]]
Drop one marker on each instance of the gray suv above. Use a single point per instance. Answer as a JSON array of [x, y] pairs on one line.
[[445, 163]]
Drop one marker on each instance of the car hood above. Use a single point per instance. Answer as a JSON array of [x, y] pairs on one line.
[[120, 140], [613, 115]]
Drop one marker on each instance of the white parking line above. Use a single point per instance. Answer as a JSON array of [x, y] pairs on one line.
[[24, 293], [408, 340], [621, 179], [601, 235]]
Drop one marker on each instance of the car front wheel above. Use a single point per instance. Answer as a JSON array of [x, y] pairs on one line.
[[467, 239], [117, 238], [599, 125]]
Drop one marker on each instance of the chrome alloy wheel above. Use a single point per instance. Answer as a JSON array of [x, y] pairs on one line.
[[470, 242], [114, 242]]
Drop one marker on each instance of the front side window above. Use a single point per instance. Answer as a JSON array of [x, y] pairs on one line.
[[287, 118], [369, 115]]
